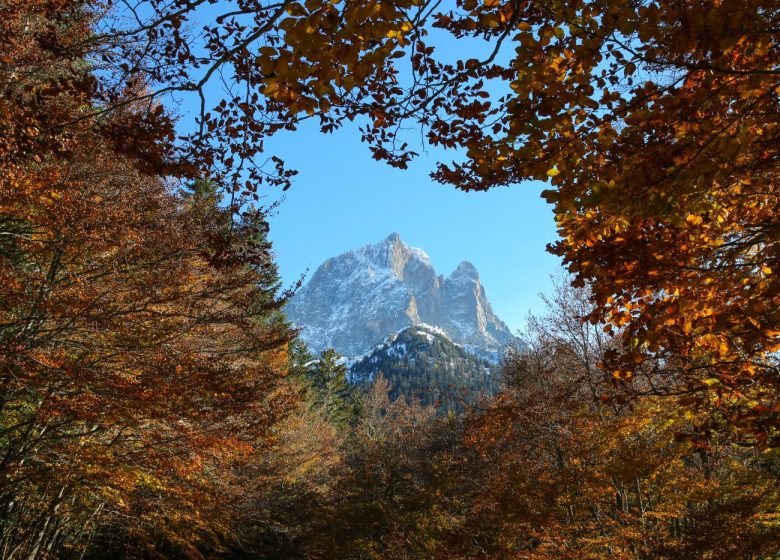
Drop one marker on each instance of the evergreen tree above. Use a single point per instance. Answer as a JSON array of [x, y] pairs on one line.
[[241, 236], [299, 360], [332, 391]]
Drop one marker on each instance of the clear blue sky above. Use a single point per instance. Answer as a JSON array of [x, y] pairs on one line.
[[343, 199]]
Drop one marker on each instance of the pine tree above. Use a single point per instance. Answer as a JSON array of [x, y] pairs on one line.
[[299, 360], [332, 391]]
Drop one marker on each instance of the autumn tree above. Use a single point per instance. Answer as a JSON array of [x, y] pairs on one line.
[[155, 354], [549, 468], [281, 499], [566, 473], [657, 125], [394, 464], [142, 348]]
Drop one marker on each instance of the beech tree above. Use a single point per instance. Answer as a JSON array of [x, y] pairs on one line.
[[142, 348], [656, 124], [581, 476]]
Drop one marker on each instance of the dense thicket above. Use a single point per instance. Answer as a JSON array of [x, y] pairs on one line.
[[560, 464]]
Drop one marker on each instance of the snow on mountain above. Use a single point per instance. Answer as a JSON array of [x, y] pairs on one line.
[[354, 300], [422, 363]]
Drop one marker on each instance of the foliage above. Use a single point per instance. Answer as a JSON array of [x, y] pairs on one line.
[[655, 121], [549, 470], [331, 391], [657, 124], [142, 349], [153, 400]]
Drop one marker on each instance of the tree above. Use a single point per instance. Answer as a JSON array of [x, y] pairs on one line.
[[144, 399], [657, 124], [390, 481], [331, 391], [567, 474], [142, 346], [300, 359]]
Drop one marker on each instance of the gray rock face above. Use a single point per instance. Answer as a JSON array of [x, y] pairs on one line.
[[353, 301]]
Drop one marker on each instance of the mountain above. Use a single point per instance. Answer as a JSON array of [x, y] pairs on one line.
[[422, 363], [355, 300]]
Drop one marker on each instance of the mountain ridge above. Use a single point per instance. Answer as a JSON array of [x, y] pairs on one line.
[[421, 363], [356, 299]]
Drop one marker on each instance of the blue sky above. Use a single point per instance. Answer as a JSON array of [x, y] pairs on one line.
[[343, 199]]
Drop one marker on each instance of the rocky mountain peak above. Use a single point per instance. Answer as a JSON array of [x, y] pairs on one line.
[[353, 301], [393, 254], [465, 270]]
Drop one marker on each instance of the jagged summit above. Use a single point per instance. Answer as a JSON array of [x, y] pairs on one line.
[[465, 270], [354, 300]]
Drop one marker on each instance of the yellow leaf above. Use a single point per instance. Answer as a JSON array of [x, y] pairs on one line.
[[694, 219], [553, 172]]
